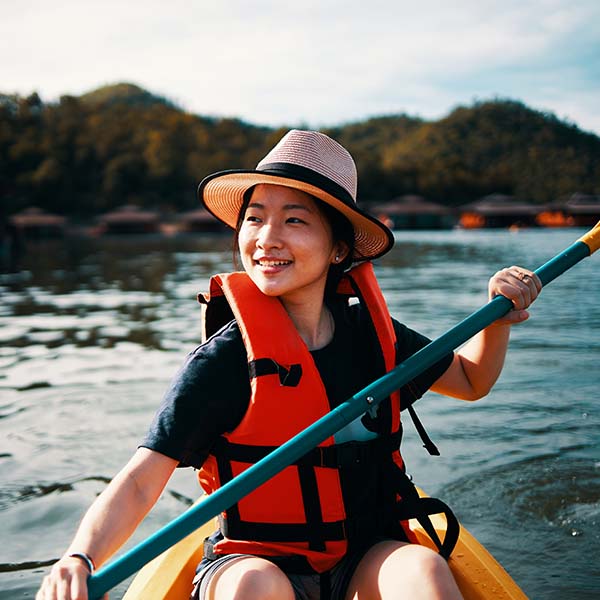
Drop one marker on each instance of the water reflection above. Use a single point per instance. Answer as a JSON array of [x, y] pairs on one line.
[[91, 331]]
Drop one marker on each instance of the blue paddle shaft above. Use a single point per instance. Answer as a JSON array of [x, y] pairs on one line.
[[345, 413]]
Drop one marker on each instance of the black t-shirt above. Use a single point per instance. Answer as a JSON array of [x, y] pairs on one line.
[[211, 392]]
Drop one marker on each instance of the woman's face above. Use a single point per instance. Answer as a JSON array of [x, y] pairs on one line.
[[286, 245]]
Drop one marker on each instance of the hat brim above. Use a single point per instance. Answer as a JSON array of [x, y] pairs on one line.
[[222, 194]]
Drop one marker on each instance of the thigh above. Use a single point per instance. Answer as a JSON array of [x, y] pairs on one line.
[[392, 570], [241, 576]]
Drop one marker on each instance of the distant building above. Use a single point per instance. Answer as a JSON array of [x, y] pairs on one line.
[[200, 221], [129, 220], [498, 210], [34, 223], [414, 212], [583, 209]]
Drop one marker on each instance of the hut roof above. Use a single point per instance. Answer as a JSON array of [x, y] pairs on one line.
[[130, 214], [410, 205], [199, 215], [36, 217], [583, 203], [500, 204]]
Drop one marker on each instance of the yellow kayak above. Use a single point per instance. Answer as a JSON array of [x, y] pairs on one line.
[[478, 574]]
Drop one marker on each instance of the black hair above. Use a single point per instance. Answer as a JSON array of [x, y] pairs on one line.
[[238, 225], [342, 231]]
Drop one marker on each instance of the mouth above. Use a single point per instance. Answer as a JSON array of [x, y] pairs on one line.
[[263, 262]]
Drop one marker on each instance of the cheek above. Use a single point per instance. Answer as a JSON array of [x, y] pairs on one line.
[[242, 247], [243, 240]]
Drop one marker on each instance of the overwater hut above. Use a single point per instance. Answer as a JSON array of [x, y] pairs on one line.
[[35, 223], [414, 212], [498, 210], [200, 221], [130, 219], [554, 215], [583, 209]]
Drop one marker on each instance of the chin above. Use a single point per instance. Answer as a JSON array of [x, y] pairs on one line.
[[271, 291], [267, 288]]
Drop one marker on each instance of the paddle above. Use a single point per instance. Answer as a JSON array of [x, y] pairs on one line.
[[371, 396]]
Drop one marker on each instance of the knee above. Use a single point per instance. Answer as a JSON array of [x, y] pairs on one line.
[[430, 571], [401, 570], [264, 582], [427, 563]]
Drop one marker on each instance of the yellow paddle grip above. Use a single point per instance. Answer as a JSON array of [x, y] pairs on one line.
[[592, 238]]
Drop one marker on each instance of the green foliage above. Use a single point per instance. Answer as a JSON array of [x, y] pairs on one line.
[[123, 93], [498, 146], [123, 145]]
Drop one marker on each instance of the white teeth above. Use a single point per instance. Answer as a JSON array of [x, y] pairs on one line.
[[273, 263]]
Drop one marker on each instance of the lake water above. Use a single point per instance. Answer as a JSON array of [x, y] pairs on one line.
[[91, 331]]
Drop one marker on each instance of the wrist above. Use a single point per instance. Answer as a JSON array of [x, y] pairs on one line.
[[85, 559]]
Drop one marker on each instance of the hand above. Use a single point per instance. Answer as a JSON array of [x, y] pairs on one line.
[[520, 286], [66, 581]]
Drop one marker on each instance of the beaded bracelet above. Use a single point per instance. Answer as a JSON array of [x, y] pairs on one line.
[[86, 558]]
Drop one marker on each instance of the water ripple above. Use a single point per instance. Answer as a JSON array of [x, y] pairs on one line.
[[532, 512], [9, 496]]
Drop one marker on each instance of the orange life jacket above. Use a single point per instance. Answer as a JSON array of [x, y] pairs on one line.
[[299, 512]]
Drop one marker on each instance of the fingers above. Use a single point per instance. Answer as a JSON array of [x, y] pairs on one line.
[[529, 278], [65, 582], [513, 317], [519, 285], [79, 588]]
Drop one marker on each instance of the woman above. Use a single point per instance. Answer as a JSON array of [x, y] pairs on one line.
[[329, 525]]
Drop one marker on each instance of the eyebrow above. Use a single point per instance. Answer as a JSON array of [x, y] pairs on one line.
[[285, 206]]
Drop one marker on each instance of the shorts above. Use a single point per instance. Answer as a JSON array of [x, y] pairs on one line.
[[306, 587]]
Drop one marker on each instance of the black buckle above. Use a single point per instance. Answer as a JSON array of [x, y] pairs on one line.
[[288, 376]]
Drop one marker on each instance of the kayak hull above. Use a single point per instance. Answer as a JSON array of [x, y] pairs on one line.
[[169, 576], [478, 574]]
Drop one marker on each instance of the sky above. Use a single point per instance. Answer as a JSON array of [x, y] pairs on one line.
[[311, 63]]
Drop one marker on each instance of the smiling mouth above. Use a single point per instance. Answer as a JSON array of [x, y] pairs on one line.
[[273, 263]]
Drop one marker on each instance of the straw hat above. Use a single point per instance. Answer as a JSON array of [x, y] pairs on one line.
[[313, 163]]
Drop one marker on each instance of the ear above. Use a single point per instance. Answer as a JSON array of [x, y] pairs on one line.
[[340, 252]]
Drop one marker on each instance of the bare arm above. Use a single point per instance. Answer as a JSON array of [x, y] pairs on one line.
[[109, 522], [478, 364]]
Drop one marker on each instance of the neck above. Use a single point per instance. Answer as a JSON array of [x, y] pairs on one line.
[[313, 322]]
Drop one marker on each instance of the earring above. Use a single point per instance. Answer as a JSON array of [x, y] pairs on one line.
[[337, 258]]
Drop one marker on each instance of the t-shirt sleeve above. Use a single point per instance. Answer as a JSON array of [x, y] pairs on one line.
[[410, 342], [207, 397]]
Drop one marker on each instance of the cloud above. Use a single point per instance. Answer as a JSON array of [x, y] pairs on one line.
[[313, 62]]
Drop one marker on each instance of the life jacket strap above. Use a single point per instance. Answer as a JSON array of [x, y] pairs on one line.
[[325, 586], [333, 531], [413, 506], [421, 509], [346, 455], [315, 527], [352, 454], [427, 441], [315, 530], [288, 375]]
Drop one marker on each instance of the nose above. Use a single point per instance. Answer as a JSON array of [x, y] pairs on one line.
[[269, 236]]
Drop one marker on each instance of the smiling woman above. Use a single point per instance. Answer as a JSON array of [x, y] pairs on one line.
[[287, 248], [286, 345]]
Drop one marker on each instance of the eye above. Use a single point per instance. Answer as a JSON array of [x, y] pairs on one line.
[[295, 221], [252, 219]]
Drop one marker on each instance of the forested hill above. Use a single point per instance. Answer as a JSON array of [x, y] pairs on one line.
[[121, 144]]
